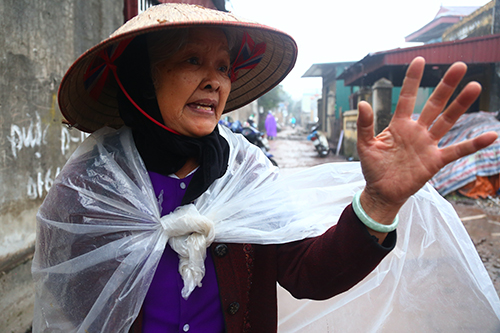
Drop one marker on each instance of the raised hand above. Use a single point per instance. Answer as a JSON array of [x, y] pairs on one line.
[[400, 160]]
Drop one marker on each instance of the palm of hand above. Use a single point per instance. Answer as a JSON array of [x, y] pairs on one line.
[[400, 160]]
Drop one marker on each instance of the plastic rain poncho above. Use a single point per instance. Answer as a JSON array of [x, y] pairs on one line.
[[100, 237]]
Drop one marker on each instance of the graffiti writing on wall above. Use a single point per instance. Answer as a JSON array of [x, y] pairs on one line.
[[41, 183], [32, 135], [68, 136], [27, 136]]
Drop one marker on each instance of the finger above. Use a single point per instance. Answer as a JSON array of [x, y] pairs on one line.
[[454, 152], [438, 99], [409, 90], [449, 117], [364, 124]]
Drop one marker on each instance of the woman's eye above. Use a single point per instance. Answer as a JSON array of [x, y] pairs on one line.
[[194, 61]]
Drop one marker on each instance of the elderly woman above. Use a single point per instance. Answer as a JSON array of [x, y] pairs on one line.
[[169, 75]]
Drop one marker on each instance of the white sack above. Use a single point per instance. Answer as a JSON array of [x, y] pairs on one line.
[[100, 237]]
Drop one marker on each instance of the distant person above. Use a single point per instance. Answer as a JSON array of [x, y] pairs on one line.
[[271, 129]]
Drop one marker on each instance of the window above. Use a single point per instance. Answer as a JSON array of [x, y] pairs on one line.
[[142, 5]]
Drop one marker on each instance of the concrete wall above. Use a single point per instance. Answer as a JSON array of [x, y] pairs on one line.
[[242, 114], [39, 39], [350, 135]]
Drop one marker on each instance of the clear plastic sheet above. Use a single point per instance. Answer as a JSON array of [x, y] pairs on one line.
[[100, 237], [433, 281]]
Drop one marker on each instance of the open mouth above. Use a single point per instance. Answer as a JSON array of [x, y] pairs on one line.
[[202, 107]]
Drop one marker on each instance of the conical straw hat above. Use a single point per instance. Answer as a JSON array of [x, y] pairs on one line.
[[270, 56]]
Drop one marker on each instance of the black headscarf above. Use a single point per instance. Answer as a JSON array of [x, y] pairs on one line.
[[164, 152]]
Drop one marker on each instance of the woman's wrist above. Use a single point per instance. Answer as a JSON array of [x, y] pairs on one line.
[[376, 216], [377, 208]]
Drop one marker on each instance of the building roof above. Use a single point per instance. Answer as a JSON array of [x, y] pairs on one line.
[[446, 17], [461, 11], [326, 69], [475, 52]]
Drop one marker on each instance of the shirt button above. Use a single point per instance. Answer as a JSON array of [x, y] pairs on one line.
[[183, 185], [185, 328], [233, 308], [221, 250]]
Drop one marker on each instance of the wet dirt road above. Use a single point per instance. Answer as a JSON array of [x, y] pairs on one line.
[[293, 152], [481, 218]]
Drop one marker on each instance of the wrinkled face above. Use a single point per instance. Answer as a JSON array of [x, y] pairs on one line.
[[193, 85]]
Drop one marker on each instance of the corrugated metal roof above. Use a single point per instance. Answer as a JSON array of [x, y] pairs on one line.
[[473, 51], [484, 49]]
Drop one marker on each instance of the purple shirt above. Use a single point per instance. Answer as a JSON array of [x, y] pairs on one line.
[[164, 308]]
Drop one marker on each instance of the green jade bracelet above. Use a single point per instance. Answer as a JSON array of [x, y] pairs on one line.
[[368, 221]]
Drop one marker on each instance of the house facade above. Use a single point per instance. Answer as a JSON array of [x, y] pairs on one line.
[[473, 39], [335, 98]]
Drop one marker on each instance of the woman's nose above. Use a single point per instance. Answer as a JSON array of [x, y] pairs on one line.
[[212, 80]]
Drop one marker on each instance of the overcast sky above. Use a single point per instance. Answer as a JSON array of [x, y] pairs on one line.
[[353, 28]]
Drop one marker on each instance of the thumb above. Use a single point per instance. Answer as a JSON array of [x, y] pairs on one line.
[[365, 127]]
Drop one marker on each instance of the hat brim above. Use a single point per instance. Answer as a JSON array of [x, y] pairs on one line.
[[89, 113]]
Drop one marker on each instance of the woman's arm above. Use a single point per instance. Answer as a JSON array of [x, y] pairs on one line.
[[324, 266]]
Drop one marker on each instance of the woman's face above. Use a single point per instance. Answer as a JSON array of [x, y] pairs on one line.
[[193, 85]]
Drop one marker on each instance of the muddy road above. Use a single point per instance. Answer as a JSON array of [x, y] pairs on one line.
[[292, 151]]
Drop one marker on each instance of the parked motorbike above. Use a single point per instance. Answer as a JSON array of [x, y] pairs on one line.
[[236, 126], [319, 140], [257, 138], [253, 135]]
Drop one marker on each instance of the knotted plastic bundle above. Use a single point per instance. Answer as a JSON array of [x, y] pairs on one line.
[[100, 237], [189, 234]]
